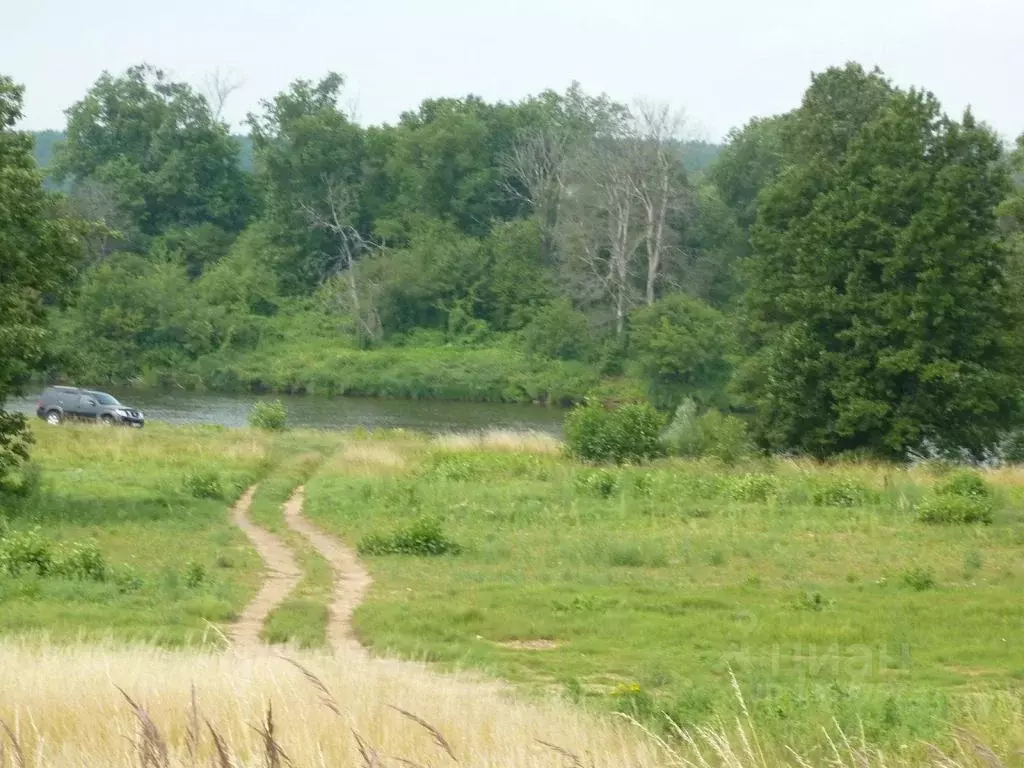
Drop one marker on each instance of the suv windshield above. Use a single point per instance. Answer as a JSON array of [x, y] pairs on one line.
[[104, 399]]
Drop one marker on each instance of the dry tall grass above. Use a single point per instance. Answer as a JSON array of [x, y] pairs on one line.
[[64, 709], [112, 706], [500, 440]]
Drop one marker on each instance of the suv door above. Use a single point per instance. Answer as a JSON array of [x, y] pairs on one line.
[[87, 407]]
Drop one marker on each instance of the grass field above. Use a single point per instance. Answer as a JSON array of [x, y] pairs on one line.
[[153, 504], [639, 589], [654, 591]]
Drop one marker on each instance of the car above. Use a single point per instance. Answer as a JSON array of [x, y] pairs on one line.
[[56, 404]]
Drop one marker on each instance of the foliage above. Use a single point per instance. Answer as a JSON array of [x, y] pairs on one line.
[[627, 434], [157, 146], [38, 253], [919, 578], [558, 331], [424, 537], [682, 347], [712, 434], [204, 484], [269, 415], [29, 553], [965, 483], [598, 482], [947, 509], [876, 295]]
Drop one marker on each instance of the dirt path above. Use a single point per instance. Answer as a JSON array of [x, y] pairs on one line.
[[350, 578], [282, 574]]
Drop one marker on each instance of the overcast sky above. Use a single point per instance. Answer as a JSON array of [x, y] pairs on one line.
[[723, 61]]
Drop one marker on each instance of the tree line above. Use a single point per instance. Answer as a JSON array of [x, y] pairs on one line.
[[846, 274]]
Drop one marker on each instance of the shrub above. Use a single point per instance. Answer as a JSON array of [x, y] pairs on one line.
[[625, 434], [636, 556], [754, 488], [955, 510], [195, 574], [204, 485], [80, 562], [842, 492], [558, 331], [600, 483], [26, 553], [424, 537], [272, 415], [919, 579], [965, 484], [713, 434]]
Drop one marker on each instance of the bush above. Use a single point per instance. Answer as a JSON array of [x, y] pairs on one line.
[[424, 537], [965, 484], [600, 483], [753, 488], [713, 435], [843, 492], [560, 332], [204, 485], [919, 579], [28, 553], [625, 434], [81, 562], [272, 415], [195, 574], [951, 509]]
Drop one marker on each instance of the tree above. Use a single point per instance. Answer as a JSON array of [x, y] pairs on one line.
[[877, 295], [157, 147], [682, 346], [306, 149], [38, 253]]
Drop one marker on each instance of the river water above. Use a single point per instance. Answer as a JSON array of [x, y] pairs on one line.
[[335, 413]]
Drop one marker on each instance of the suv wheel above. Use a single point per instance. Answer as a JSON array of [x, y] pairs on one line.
[[53, 417], [107, 420]]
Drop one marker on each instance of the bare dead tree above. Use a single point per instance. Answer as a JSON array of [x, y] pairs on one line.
[[217, 88], [335, 214], [604, 229], [658, 190], [536, 172]]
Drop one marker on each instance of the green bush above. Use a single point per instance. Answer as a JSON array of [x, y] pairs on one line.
[[599, 482], [753, 488], [195, 574], [28, 553], [204, 484], [919, 579], [272, 415], [713, 435], [424, 537], [950, 509], [559, 332], [966, 484], [842, 492], [628, 434]]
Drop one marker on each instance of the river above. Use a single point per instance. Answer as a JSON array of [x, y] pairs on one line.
[[331, 413]]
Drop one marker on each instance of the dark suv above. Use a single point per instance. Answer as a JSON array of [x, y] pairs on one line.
[[59, 403]]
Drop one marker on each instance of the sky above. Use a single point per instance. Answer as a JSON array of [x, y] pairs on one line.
[[721, 61]]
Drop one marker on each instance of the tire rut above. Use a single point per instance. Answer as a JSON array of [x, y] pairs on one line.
[[282, 573], [351, 579]]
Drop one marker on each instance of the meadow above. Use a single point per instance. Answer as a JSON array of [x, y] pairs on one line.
[[643, 589], [809, 603]]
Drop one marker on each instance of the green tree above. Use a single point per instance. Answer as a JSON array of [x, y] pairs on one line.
[[37, 257], [157, 147], [877, 298], [682, 346], [560, 331], [309, 163]]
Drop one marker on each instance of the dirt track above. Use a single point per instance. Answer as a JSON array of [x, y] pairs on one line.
[[283, 574]]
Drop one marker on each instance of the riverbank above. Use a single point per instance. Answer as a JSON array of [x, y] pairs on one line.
[[494, 374]]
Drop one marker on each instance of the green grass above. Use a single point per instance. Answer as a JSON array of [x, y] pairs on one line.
[[177, 567], [816, 586]]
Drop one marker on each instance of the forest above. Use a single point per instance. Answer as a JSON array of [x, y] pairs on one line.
[[844, 276]]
